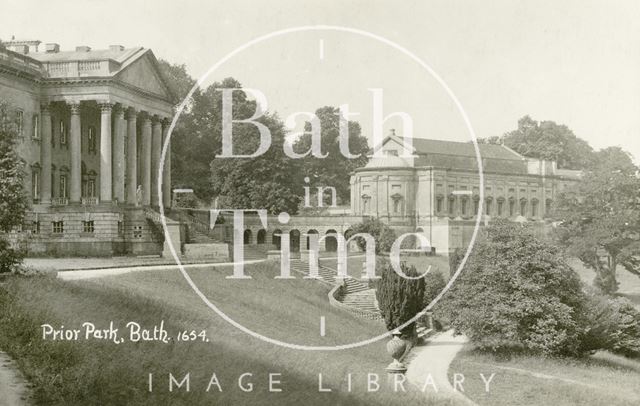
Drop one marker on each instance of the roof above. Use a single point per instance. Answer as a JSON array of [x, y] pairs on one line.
[[425, 146], [117, 55]]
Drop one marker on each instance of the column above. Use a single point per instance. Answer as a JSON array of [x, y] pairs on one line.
[[118, 155], [105, 152], [156, 149], [45, 151], [75, 151], [166, 172], [145, 156], [132, 160]]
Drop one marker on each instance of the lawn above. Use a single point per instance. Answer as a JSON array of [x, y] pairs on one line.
[[603, 379], [87, 372]]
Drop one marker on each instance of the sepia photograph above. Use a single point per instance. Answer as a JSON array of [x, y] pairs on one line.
[[361, 202]]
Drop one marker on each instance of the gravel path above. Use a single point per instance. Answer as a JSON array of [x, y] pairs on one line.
[[433, 359], [13, 388]]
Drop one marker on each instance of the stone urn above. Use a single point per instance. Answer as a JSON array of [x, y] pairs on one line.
[[396, 348]]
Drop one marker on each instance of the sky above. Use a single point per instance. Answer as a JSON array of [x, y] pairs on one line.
[[572, 62]]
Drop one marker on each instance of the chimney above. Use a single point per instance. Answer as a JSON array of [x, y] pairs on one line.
[[52, 48], [116, 48], [83, 48]]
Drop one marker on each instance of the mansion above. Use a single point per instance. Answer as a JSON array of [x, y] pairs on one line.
[[91, 126]]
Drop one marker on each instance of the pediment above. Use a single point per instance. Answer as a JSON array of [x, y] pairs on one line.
[[144, 74]]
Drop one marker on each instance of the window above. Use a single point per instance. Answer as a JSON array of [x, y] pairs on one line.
[[463, 207], [20, 122], [512, 208], [392, 152], [137, 231], [91, 188], [452, 205], [476, 206], [500, 204], [396, 206], [35, 182], [57, 227], [439, 204], [35, 121], [534, 208], [120, 228], [63, 133], [63, 186], [366, 200], [548, 204], [35, 227], [91, 139], [488, 203], [523, 207], [87, 226]]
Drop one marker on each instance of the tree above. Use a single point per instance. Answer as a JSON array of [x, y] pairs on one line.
[[547, 140], [383, 235], [399, 298], [270, 181], [516, 292], [13, 199], [334, 170], [600, 218]]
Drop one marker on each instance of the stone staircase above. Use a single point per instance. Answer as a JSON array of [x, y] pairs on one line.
[[350, 294]]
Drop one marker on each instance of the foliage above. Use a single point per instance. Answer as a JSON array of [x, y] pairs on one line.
[[335, 169], [381, 233], [549, 141], [455, 257], [399, 298], [9, 257], [187, 200], [600, 218], [516, 292], [612, 324], [434, 282], [13, 199]]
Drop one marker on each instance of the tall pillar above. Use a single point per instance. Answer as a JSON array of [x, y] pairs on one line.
[[145, 157], [105, 152], [118, 155], [76, 157], [156, 149], [45, 151], [132, 160], [166, 170]]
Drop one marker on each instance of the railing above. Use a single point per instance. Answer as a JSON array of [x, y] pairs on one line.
[[59, 201], [84, 66], [90, 201]]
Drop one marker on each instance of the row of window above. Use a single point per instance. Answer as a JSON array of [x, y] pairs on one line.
[[57, 227], [62, 131], [88, 185], [521, 207], [397, 204]]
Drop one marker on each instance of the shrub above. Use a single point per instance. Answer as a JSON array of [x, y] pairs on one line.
[[9, 257], [383, 235], [516, 292], [434, 282], [612, 324], [399, 298]]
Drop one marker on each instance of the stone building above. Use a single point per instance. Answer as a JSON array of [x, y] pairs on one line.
[[431, 187], [91, 126]]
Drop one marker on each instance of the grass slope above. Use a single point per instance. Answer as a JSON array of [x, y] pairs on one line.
[[96, 372], [604, 379]]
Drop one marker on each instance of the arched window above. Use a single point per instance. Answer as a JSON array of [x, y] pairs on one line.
[[512, 207], [523, 207], [488, 203], [452, 205], [366, 204], [397, 203], [476, 205], [261, 236], [500, 207], [548, 206], [463, 206], [534, 208], [247, 237], [439, 201]]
